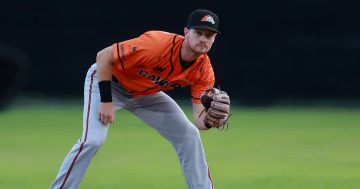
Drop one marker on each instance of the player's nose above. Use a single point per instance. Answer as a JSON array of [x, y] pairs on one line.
[[202, 38]]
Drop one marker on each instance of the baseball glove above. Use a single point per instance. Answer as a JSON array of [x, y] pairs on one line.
[[217, 107]]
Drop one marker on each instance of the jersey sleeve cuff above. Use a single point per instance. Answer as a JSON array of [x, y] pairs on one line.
[[195, 100]]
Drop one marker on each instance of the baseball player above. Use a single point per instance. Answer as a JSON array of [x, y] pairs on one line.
[[131, 75]]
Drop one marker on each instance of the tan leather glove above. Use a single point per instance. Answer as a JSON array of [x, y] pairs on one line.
[[217, 107]]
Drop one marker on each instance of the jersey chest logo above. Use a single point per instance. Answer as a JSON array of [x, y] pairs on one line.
[[159, 69], [156, 79]]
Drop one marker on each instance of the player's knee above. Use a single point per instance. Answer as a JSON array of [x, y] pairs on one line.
[[191, 132], [94, 143]]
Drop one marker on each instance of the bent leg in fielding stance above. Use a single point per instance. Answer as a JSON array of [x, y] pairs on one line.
[[163, 114], [160, 112], [94, 134]]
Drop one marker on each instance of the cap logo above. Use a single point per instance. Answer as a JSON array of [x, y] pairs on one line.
[[208, 18]]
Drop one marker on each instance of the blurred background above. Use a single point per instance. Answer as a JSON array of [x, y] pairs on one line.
[[269, 52], [291, 67]]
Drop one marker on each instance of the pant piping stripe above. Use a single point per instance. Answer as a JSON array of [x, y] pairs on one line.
[[86, 132], [209, 174]]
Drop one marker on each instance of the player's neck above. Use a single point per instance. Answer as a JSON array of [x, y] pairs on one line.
[[187, 54]]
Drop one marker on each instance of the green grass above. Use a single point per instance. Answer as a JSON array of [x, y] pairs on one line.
[[264, 148]]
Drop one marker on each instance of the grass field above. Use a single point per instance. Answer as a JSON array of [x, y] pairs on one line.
[[264, 148]]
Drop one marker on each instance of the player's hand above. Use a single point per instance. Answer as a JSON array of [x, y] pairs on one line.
[[217, 106], [107, 112]]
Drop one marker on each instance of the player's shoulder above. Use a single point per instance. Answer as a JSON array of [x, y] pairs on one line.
[[205, 64], [159, 35], [160, 39], [205, 60], [158, 32]]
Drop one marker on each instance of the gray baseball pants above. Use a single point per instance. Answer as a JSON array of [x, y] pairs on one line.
[[158, 111]]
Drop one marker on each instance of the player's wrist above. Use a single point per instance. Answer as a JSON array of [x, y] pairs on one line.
[[206, 124], [105, 91]]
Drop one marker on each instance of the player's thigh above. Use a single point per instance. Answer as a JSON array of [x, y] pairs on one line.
[[120, 96], [94, 131], [163, 114]]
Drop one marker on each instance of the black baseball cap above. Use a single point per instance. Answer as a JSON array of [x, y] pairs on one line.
[[203, 19]]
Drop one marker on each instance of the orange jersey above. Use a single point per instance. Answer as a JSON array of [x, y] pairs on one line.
[[151, 63]]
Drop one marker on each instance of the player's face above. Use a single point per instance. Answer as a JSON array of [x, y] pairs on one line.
[[200, 40]]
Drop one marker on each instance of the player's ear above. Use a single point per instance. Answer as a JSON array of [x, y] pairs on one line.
[[213, 38], [186, 30]]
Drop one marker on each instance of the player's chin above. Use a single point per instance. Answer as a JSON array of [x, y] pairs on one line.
[[202, 50]]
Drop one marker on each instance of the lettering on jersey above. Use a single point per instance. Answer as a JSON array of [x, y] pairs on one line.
[[160, 82], [143, 73], [154, 78], [133, 49], [159, 69]]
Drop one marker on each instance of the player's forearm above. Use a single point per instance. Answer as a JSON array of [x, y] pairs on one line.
[[104, 66], [199, 123], [105, 62], [198, 116]]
